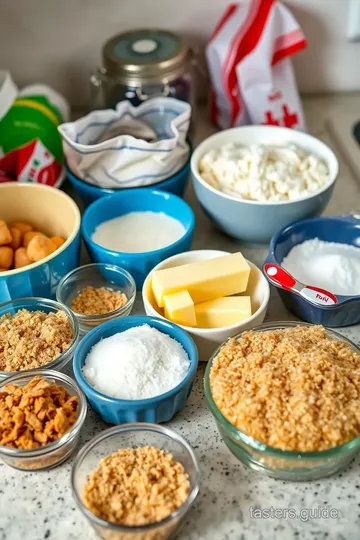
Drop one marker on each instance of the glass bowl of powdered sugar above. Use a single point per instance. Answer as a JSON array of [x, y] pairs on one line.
[[325, 253]]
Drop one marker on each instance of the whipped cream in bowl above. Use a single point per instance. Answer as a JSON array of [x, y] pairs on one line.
[[259, 172]]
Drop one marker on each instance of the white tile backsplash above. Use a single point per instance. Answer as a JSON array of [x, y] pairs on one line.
[[59, 41]]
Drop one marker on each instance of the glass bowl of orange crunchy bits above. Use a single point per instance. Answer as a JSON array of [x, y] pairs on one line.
[[35, 334], [96, 293], [154, 482], [40, 419], [286, 399]]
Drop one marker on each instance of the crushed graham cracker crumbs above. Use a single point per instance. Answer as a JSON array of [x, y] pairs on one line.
[[98, 301], [136, 486], [293, 389], [36, 414], [31, 339]]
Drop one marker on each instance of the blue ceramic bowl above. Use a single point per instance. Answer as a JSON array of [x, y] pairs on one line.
[[253, 221], [137, 200], [49, 210], [341, 229], [119, 411], [88, 193]]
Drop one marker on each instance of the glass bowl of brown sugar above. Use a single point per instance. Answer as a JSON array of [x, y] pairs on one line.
[[96, 293]]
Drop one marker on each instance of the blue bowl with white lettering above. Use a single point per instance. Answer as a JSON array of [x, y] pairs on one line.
[[122, 411], [340, 229], [137, 200], [88, 193]]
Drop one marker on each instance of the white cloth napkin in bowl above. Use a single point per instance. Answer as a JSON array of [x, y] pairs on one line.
[[129, 146]]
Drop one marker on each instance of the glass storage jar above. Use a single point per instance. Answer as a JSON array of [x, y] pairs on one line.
[[142, 64]]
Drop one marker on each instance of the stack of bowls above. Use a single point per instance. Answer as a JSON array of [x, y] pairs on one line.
[[88, 193]]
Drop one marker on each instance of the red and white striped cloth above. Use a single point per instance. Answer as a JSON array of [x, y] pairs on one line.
[[249, 62]]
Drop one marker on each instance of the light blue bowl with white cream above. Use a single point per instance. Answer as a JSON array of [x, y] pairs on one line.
[[254, 221], [140, 200]]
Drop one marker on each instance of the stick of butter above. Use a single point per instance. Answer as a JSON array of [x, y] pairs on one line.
[[223, 311], [204, 280], [179, 308]]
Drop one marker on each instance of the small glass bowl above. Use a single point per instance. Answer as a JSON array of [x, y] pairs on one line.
[[131, 436], [62, 363], [96, 275], [55, 453], [281, 464]]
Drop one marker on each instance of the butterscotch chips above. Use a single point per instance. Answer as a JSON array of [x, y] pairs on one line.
[[293, 389], [98, 301], [31, 339], [36, 414], [136, 486]]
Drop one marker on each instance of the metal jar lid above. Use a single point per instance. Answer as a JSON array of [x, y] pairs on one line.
[[146, 56]]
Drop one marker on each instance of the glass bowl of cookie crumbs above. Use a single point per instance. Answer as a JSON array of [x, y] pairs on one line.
[[286, 399], [36, 333], [154, 482], [41, 419], [97, 293]]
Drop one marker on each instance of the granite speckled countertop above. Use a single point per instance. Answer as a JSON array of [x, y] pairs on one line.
[[35, 506]]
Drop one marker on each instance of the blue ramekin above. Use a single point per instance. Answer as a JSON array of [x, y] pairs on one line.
[[137, 200], [88, 193], [120, 411], [341, 229]]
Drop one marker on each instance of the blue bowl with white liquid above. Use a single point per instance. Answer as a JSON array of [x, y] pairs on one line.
[[339, 229], [137, 200], [122, 411]]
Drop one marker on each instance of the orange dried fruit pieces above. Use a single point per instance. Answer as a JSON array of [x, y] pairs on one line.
[[36, 414], [6, 257], [5, 234], [20, 258], [40, 247], [58, 241], [29, 236], [16, 236], [22, 226]]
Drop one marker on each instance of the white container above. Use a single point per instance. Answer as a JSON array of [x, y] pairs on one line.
[[208, 339]]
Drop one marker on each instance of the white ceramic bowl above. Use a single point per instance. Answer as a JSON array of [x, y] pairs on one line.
[[254, 221], [208, 339]]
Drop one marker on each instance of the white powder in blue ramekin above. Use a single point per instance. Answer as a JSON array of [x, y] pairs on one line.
[[139, 363]]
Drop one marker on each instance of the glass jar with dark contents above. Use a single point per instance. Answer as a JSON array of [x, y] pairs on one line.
[[142, 64]]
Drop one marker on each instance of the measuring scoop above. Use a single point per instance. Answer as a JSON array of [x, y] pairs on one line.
[[281, 278]]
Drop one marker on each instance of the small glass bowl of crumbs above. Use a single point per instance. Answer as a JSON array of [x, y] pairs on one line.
[[35, 334], [148, 459], [96, 293], [45, 413], [286, 400]]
